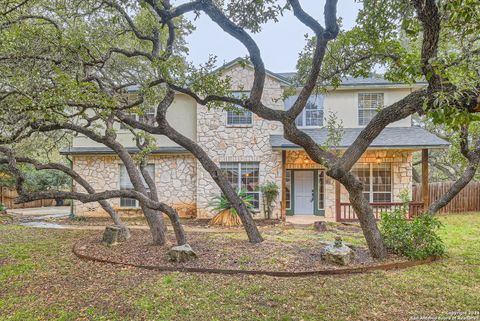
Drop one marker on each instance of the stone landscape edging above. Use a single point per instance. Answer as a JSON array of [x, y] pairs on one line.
[[340, 271]]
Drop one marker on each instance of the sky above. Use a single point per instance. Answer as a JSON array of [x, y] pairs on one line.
[[280, 43]]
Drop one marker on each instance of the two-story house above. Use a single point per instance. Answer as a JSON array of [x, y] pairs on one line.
[[253, 151]]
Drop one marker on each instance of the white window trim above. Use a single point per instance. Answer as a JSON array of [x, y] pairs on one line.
[[370, 192], [243, 125], [303, 115], [357, 99], [137, 203], [239, 93], [239, 182], [137, 118]]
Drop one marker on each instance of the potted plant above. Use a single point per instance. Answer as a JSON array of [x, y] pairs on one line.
[[226, 214]]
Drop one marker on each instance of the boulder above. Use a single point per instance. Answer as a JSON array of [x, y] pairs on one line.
[[181, 254], [320, 226], [111, 235], [337, 253]]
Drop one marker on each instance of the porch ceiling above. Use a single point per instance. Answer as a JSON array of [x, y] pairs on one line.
[[391, 137]]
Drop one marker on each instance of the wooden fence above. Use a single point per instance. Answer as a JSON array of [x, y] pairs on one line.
[[467, 200], [7, 198]]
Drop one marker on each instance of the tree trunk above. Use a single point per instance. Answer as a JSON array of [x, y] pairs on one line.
[[124, 232], [177, 227], [367, 221], [156, 225], [169, 211], [209, 165], [154, 219], [455, 189]]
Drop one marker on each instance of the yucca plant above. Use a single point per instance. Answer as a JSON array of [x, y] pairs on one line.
[[226, 214]]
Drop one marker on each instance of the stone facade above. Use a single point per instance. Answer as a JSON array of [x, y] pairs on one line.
[[401, 161], [239, 143], [184, 184], [175, 178]]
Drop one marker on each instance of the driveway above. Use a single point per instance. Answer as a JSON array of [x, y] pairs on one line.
[[37, 213]]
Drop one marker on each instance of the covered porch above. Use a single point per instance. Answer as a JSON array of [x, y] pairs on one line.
[[308, 194], [386, 172]]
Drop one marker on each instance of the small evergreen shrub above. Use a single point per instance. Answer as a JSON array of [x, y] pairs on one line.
[[270, 192], [416, 239]]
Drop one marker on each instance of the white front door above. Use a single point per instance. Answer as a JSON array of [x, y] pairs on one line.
[[303, 192]]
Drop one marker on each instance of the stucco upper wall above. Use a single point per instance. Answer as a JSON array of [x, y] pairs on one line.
[[181, 115], [344, 103]]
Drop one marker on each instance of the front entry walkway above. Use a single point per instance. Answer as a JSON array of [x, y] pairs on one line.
[[305, 219]]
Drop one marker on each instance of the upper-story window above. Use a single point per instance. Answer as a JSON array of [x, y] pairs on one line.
[[368, 106], [239, 115], [148, 117], [312, 115]]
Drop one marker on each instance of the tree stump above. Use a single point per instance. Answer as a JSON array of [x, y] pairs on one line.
[[320, 226], [181, 254], [111, 235]]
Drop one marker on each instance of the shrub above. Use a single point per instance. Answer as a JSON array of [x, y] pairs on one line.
[[2, 207], [270, 192], [416, 239], [226, 213]]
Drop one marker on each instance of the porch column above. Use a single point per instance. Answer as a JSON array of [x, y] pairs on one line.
[[338, 213], [425, 189], [284, 185]]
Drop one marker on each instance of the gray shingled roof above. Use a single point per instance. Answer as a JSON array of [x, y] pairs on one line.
[[106, 150], [372, 80], [391, 137]]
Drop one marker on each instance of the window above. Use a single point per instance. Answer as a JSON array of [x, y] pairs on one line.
[[148, 117], [239, 115], [377, 181], [126, 184], [321, 190], [312, 114], [244, 176], [368, 106], [288, 188]]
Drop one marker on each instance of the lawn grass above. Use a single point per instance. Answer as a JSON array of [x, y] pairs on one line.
[[40, 279]]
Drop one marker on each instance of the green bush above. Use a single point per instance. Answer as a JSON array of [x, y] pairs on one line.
[[2, 207], [416, 239], [270, 192]]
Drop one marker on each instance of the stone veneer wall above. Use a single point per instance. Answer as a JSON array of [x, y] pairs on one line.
[[401, 161], [225, 143], [175, 178]]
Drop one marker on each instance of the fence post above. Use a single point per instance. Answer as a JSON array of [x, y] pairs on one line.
[[338, 213], [425, 189]]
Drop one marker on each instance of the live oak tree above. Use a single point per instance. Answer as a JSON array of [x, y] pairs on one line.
[[435, 41]]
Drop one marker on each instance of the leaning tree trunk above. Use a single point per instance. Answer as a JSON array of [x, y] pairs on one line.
[[209, 165], [169, 211], [154, 219], [459, 184], [367, 221], [124, 231]]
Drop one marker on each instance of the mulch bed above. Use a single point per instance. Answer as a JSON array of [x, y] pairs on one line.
[[140, 220], [217, 252]]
